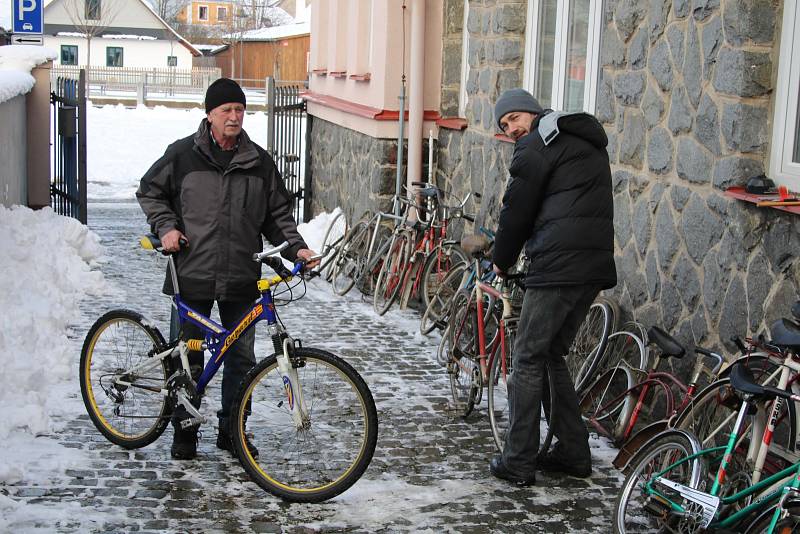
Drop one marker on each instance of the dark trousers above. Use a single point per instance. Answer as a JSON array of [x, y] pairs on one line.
[[548, 324], [238, 359]]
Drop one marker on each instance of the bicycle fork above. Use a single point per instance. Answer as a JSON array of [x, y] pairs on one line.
[[291, 381]]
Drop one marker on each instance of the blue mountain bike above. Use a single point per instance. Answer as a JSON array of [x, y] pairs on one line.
[[309, 412]]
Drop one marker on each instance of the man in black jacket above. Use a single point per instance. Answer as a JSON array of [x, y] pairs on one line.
[[218, 192], [558, 204]]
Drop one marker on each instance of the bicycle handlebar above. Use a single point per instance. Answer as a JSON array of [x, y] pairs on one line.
[[714, 356]]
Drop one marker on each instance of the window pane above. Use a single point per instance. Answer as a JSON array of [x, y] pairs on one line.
[[113, 56], [576, 55], [69, 55], [545, 53]]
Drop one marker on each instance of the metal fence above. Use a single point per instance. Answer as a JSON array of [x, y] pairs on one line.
[[155, 83], [68, 183], [288, 141]]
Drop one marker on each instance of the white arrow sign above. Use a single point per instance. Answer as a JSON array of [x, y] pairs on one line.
[[27, 39]]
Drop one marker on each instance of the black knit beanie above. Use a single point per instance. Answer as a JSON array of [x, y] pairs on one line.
[[515, 100], [224, 91]]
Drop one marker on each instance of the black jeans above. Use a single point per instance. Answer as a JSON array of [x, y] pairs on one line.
[[548, 324], [238, 359]]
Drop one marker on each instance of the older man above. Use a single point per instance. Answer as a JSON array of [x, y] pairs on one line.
[[558, 205], [219, 192]]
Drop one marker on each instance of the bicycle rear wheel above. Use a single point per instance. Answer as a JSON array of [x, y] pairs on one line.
[[130, 409], [461, 348], [501, 371], [332, 449], [438, 265], [391, 276], [607, 404], [590, 342], [436, 311], [633, 509], [350, 259], [334, 236]]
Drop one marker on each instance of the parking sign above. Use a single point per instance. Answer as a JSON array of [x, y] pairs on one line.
[[27, 16]]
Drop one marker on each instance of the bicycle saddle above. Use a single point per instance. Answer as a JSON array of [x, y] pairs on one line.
[[669, 345], [428, 191], [743, 381], [475, 244], [785, 334]]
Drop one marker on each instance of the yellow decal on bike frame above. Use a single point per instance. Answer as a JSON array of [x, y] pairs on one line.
[[205, 322], [249, 318]]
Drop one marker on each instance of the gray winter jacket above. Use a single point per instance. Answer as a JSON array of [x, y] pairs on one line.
[[222, 212]]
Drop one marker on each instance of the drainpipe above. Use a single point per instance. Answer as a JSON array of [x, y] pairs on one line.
[[416, 104]]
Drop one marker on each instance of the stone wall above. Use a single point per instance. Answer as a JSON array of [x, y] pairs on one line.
[[685, 96]]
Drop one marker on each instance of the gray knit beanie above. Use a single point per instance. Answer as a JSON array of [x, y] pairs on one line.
[[515, 100]]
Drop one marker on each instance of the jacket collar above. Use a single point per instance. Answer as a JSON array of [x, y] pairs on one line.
[[246, 155]]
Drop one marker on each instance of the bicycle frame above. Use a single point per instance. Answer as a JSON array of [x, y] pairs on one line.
[[770, 489], [217, 340]]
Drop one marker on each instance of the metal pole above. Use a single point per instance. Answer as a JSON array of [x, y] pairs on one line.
[[82, 146], [271, 115], [402, 119]]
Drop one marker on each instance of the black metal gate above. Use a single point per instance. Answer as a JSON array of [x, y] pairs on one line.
[[68, 183], [287, 141]]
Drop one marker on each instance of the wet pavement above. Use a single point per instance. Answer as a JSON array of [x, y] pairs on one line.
[[429, 473]]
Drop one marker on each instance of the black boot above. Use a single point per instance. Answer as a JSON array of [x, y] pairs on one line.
[[225, 442], [184, 441]]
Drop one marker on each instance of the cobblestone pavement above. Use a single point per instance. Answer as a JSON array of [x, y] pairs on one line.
[[429, 473]]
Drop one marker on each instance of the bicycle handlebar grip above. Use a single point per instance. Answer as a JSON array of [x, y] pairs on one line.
[[260, 256], [470, 218], [275, 263]]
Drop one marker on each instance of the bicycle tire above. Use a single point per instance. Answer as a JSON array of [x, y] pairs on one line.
[[369, 276], [498, 405], [330, 453], [334, 235], [607, 404], [131, 417], [436, 311], [653, 459], [623, 345], [442, 259], [390, 278], [763, 519], [349, 260], [461, 347], [587, 348]]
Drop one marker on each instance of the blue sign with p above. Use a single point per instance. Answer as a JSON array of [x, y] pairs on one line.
[[27, 16]]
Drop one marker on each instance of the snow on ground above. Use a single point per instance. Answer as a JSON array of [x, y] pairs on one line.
[[122, 143]]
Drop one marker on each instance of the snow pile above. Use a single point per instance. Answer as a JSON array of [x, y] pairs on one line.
[[46, 268], [16, 63]]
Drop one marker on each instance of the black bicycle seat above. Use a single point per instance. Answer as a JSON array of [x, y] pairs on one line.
[[669, 345], [428, 191], [785, 334], [742, 380]]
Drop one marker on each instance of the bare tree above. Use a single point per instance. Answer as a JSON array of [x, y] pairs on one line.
[[170, 9], [91, 18]]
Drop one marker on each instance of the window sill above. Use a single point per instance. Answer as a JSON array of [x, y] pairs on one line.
[[452, 123], [338, 74], [361, 77], [738, 192], [320, 72]]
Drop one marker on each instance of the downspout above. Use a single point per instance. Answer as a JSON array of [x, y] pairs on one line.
[[416, 104]]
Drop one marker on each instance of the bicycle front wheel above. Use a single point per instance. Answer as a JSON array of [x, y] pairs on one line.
[[589, 344], [349, 260], [334, 235], [330, 451], [436, 312], [121, 383], [391, 275]]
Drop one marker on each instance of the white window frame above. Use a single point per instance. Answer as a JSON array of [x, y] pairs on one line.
[[785, 129], [560, 59], [225, 10], [462, 93]]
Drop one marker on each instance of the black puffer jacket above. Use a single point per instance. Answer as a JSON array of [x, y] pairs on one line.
[[223, 213], [559, 205]]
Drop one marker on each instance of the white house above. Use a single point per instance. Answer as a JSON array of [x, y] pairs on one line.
[[128, 33]]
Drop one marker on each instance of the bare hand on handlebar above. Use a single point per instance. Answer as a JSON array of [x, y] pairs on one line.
[[171, 241]]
